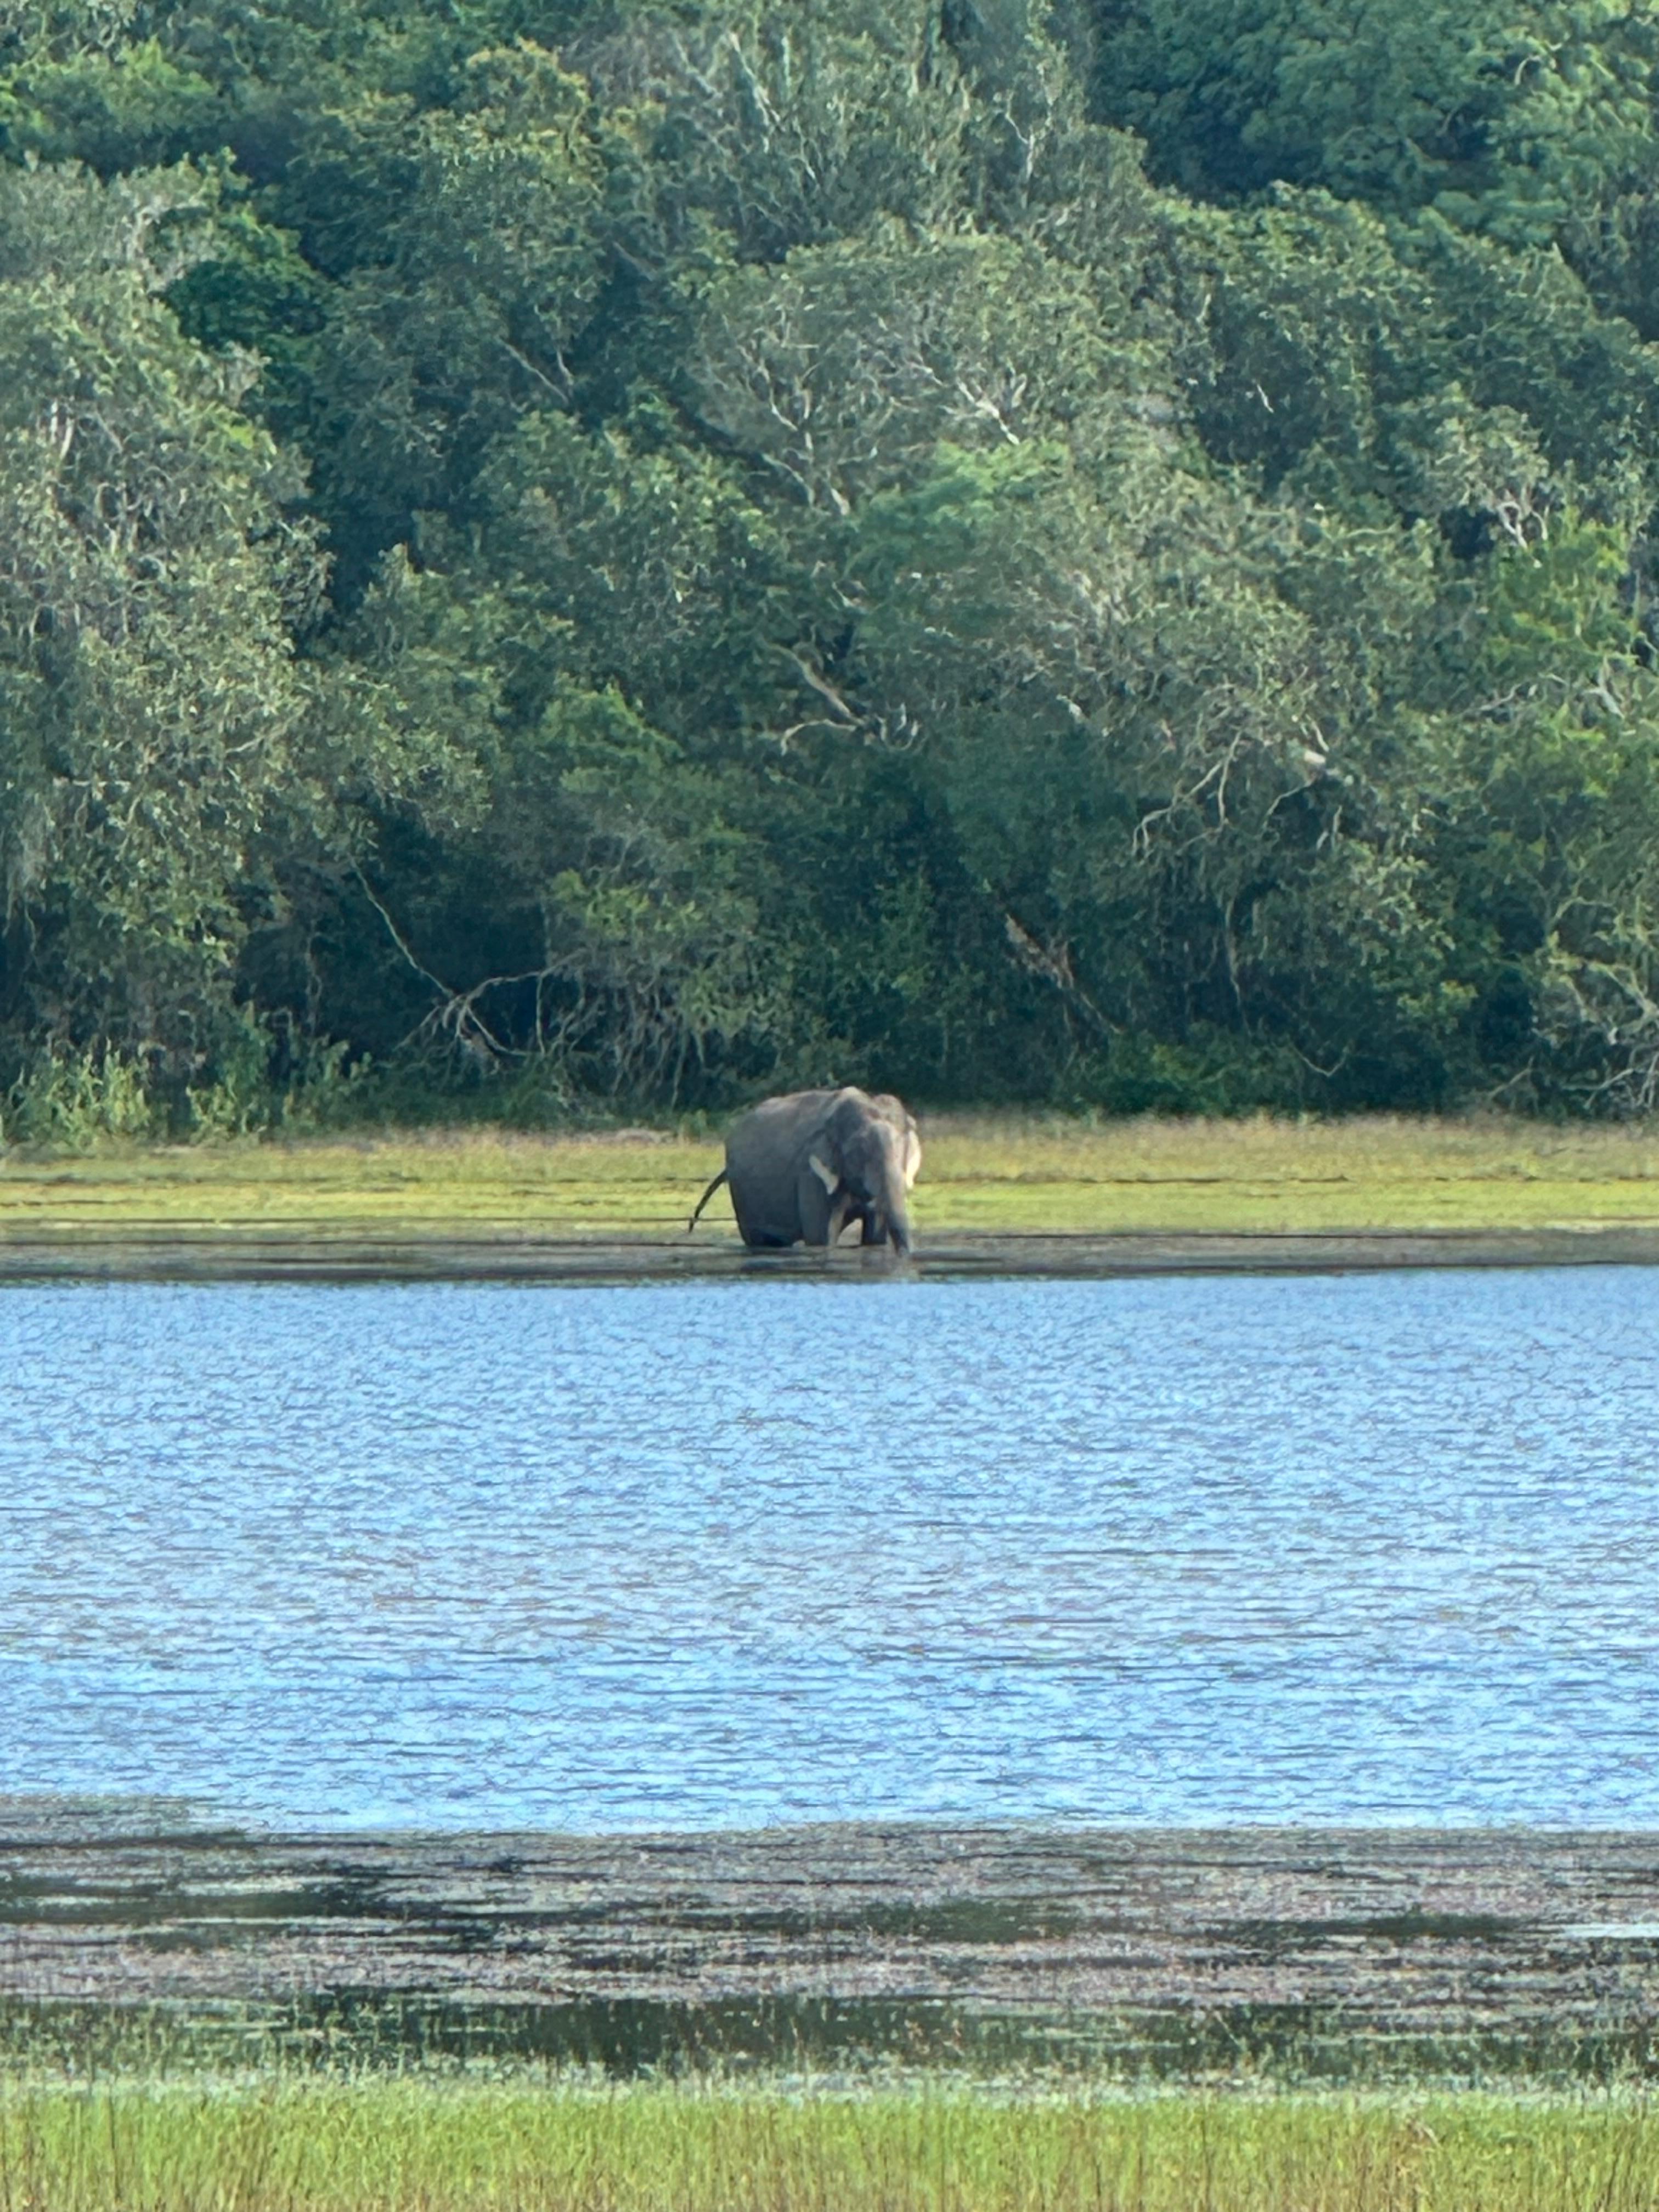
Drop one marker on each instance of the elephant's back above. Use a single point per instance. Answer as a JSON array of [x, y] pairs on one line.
[[776, 1122], [762, 1158]]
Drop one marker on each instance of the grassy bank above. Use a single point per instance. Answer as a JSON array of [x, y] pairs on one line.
[[346, 2146], [986, 1175]]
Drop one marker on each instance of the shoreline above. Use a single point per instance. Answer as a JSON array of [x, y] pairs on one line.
[[1328, 1949], [137, 1252]]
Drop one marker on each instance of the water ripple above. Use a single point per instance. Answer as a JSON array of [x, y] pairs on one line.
[[1321, 1549]]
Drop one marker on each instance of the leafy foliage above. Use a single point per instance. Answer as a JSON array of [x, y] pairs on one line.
[[644, 550]]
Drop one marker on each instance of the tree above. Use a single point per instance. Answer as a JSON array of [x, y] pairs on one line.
[[153, 569], [1506, 121]]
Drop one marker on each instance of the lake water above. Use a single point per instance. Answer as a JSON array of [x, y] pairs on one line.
[[1332, 1549]]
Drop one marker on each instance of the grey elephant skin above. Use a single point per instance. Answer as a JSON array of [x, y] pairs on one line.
[[802, 1167]]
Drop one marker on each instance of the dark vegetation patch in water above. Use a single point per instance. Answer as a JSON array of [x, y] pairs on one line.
[[807, 2039], [1287, 1954]]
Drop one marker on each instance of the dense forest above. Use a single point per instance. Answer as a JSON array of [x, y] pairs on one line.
[[575, 556]]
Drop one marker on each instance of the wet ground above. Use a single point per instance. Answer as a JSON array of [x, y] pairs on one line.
[[168, 1253], [1323, 1951]]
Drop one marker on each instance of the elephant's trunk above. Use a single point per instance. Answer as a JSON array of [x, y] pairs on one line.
[[895, 1197]]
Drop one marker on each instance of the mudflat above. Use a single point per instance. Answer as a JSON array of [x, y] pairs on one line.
[[917, 1938], [159, 1253]]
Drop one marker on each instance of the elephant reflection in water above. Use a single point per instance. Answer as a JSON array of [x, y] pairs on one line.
[[802, 1167]]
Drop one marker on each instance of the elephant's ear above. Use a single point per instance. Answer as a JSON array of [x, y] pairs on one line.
[[827, 1177]]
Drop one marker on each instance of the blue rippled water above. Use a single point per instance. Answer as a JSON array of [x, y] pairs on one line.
[[1325, 1549]]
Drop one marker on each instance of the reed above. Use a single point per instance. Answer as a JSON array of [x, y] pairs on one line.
[[381, 2144]]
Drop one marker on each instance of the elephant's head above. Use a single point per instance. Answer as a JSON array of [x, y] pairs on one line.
[[896, 1111], [865, 1157]]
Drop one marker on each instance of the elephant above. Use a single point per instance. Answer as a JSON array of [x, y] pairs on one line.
[[801, 1167]]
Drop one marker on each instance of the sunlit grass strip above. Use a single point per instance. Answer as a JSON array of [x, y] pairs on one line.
[[350, 2145], [988, 1175]]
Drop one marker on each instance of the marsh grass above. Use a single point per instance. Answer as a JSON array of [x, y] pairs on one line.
[[1265, 1173], [993, 1176], [349, 2144]]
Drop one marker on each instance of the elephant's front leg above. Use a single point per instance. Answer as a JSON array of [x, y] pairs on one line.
[[824, 1201]]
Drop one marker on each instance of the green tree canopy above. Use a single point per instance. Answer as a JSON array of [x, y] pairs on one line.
[[646, 549]]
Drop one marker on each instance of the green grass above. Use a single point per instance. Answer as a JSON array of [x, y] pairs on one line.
[[992, 1175], [1375, 1172], [348, 2145]]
